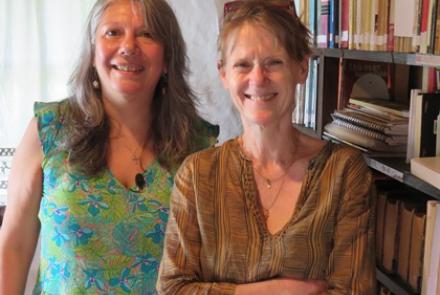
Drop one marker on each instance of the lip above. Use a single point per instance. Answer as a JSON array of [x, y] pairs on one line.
[[260, 97], [128, 68]]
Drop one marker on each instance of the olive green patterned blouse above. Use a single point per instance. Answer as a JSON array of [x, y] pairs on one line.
[[217, 236]]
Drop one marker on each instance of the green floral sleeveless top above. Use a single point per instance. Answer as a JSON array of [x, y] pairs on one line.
[[97, 237]]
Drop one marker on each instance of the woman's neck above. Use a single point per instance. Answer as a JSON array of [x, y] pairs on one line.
[[129, 121], [266, 145]]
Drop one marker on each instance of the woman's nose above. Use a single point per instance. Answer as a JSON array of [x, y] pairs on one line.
[[129, 46], [258, 75]]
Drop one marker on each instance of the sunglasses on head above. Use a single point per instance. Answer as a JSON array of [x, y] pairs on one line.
[[232, 6]]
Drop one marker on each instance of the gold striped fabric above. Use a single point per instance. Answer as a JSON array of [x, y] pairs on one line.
[[217, 236]]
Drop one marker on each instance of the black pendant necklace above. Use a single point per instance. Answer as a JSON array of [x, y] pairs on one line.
[[140, 181], [139, 178]]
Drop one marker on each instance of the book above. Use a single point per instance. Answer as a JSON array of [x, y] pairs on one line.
[[411, 151], [415, 269], [366, 151], [344, 18], [380, 220], [322, 30], [427, 169], [390, 247], [433, 284], [427, 109], [405, 239], [382, 106], [392, 140], [372, 122], [363, 137], [431, 212]]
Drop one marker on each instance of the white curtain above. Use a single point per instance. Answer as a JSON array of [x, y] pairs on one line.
[[39, 42]]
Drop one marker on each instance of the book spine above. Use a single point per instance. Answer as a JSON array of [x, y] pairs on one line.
[[323, 34]]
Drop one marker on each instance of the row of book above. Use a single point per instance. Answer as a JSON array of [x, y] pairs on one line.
[[407, 238], [306, 98], [380, 25], [400, 227]]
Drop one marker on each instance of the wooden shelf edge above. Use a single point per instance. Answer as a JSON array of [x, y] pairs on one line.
[[393, 283], [397, 169], [415, 59]]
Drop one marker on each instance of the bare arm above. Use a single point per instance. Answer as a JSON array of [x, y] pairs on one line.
[[180, 271], [20, 228]]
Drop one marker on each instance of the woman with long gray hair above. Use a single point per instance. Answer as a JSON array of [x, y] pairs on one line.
[[93, 172]]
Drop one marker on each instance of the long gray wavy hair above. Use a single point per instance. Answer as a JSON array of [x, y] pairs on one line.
[[173, 107]]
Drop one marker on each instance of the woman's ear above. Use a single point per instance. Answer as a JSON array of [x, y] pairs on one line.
[[222, 73], [303, 69]]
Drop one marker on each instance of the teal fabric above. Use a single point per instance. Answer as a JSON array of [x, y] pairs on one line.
[[97, 237]]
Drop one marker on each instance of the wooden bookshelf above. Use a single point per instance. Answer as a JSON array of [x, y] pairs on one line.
[[395, 168], [410, 59]]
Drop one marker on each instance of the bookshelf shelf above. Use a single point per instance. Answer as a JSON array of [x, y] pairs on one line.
[[393, 283], [411, 59], [397, 169]]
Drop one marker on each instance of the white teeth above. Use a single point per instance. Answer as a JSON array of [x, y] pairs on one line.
[[260, 98], [128, 68]]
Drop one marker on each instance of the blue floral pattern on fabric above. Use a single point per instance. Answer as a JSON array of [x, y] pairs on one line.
[[97, 237]]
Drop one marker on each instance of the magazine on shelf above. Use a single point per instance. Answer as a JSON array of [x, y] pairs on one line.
[[368, 152], [371, 122], [369, 132], [381, 106], [364, 139]]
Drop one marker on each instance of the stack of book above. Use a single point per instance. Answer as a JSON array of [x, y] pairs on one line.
[[376, 126], [400, 235]]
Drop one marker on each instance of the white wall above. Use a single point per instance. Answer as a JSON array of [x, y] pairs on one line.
[[199, 21]]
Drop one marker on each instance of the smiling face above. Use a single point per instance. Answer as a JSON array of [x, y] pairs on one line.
[[129, 62], [260, 76]]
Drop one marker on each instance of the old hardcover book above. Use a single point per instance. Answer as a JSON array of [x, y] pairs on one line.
[[431, 284], [390, 246], [405, 226], [415, 269], [380, 221]]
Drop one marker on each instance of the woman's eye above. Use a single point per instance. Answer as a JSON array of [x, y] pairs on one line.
[[274, 62], [146, 34], [242, 65], [112, 33]]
